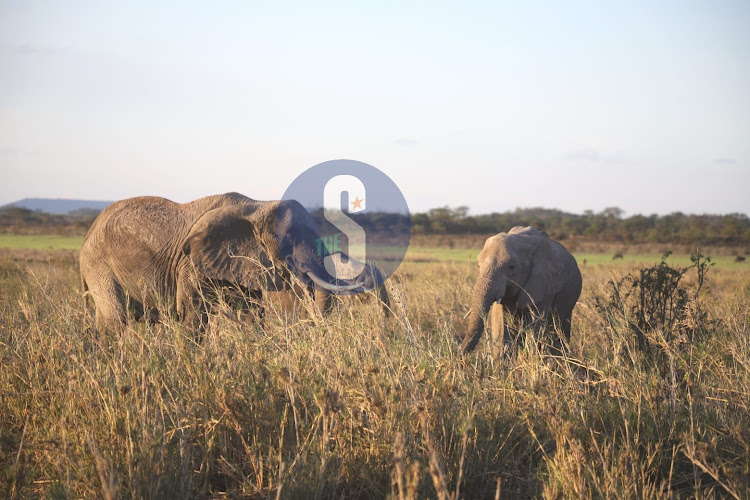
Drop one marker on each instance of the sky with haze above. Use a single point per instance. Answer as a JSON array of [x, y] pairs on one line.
[[495, 105]]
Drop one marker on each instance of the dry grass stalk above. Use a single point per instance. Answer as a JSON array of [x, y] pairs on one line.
[[293, 407]]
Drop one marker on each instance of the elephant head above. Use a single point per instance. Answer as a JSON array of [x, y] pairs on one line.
[[524, 271], [257, 245]]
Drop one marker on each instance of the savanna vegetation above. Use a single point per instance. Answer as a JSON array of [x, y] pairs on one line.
[[22, 221], [609, 225], [652, 400]]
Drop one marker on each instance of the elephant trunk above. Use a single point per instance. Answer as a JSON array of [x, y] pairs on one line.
[[383, 300], [323, 301], [483, 298]]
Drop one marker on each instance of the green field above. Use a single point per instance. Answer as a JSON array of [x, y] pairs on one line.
[[415, 254], [424, 254], [40, 242]]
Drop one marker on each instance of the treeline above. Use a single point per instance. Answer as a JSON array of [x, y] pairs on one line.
[[607, 225], [20, 220]]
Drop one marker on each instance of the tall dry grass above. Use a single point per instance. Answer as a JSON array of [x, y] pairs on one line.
[[354, 405]]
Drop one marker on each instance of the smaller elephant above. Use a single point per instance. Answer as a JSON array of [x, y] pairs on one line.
[[531, 277]]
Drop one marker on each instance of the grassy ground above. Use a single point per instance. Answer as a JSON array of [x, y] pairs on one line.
[[627, 262], [40, 242], [354, 405], [415, 253]]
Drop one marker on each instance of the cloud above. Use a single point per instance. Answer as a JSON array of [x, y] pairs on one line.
[[9, 152], [725, 161], [27, 49], [14, 153], [406, 143], [593, 156], [584, 155]]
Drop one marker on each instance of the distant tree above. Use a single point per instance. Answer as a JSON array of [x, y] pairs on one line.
[[609, 225], [615, 212], [83, 213], [460, 212]]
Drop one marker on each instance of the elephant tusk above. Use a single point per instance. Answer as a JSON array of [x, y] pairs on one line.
[[499, 301], [331, 287], [352, 287]]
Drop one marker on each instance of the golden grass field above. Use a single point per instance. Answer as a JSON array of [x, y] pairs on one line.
[[356, 406]]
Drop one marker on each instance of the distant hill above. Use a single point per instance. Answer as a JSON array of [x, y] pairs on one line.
[[59, 206]]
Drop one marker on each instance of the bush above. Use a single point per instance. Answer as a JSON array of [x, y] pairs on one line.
[[662, 312]]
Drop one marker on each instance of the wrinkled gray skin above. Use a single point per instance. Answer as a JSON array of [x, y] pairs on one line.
[[532, 277], [149, 253]]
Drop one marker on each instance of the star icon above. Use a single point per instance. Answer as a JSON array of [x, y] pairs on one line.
[[357, 204]]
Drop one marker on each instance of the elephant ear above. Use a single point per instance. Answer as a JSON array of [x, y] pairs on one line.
[[225, 245], [547, 272]]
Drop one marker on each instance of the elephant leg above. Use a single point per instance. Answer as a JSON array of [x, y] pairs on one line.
[[524, 320], [558, 327], [282, 300], [563, 307], [255, 299], [565, 325], [191, 310], [110, 305], [381, 298], [241, 299], [138, 310], [540, 327], [497, 330], [544, 322]]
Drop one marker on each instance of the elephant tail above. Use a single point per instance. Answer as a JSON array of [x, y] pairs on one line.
[[85, 291]]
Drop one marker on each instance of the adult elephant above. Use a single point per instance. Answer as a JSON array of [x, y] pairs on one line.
[[525, 273], [151, 253]]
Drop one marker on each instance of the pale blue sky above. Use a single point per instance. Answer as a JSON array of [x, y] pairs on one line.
[[572, 105]]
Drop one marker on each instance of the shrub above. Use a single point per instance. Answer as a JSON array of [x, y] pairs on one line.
[[656, 305]]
